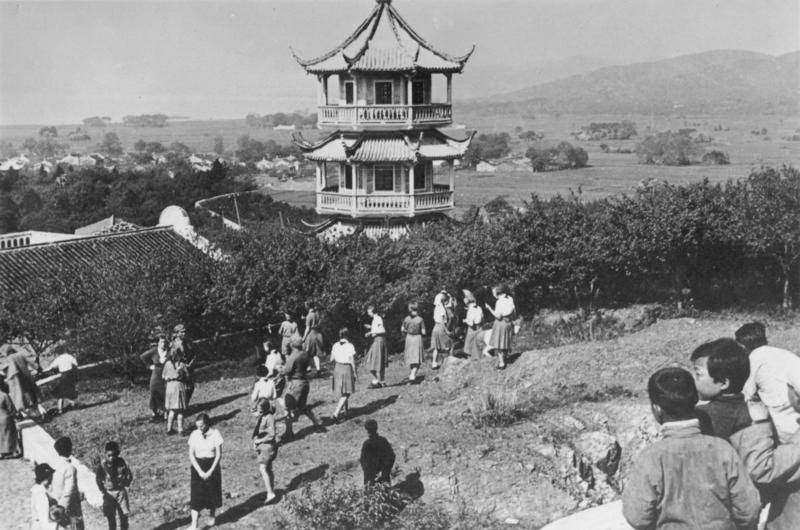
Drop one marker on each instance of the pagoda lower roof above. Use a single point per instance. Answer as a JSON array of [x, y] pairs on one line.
[[385, 147], [384, 42]]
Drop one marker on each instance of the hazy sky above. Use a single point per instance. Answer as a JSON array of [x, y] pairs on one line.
[[63, 61]]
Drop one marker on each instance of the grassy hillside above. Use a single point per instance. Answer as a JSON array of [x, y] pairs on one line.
[[512, 471], [710, 82]]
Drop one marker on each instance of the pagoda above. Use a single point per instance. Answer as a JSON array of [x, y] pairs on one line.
[[376, 96]]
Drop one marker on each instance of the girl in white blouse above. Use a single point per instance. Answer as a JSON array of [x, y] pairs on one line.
[[503, 327], [343, 354], [205, 452], [41, 501]]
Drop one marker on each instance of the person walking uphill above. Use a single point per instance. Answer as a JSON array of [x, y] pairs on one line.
[[503, 327], [378, 355], [414, 329], [343, 354], [296, 395], [67, 367], [440, 336], [313, 341]]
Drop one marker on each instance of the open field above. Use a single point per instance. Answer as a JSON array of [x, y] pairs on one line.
[[607, 174], [509, 471]]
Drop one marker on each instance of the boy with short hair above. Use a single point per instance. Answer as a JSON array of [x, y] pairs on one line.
[[64, 488], [377, 456], [771, 369], [721, 368], [113, 476], [688, 480]]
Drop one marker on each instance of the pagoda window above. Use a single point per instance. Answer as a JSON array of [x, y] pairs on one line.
[[384, 178], [418, 92], [419, 176], [349, 93], [383, 93]]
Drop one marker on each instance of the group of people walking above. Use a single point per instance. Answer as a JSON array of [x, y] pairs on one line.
[[280, 395]]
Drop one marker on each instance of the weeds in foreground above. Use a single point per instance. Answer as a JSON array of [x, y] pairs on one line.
[[504, 408], [380, 507]]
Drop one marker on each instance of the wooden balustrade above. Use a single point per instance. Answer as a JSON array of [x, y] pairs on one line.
[[384, 203], [437, 113]]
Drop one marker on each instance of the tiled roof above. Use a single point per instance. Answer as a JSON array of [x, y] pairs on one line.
[[392, 147], [104, 226], [384, 42], [21, 266]]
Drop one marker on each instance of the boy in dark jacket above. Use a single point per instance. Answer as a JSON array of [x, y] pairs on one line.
[[688, 480], [377, 456], [721, 369], [113, 478]]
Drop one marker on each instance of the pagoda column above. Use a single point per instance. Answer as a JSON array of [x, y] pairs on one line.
[[451, 166], [409, 99], [412, 200], [354, 182], [319, 177]]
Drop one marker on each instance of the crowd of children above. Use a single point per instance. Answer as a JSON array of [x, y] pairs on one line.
[[731, 440], [730, 428]]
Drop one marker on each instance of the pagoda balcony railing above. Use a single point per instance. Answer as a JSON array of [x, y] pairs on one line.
[[338, 115], [380, 204]]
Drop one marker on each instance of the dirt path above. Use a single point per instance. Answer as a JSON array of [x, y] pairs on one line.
[[17, 479]]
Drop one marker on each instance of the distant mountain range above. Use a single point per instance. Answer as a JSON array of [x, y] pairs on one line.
[[714, 82]]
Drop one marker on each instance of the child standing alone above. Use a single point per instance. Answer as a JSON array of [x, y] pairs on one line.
[[113, 478], [688, 479]]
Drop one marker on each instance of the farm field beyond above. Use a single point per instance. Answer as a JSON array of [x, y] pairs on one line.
[[608, 173]]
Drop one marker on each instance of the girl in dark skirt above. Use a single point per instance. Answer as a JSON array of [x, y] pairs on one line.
[[377, 356], [205, 453]]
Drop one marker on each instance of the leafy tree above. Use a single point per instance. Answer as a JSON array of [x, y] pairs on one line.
[[140, 145], [716, 157], [669, 149], [765, 207], [9, 213], [111, 144], [487, 147], [562, 156], [48, 132]]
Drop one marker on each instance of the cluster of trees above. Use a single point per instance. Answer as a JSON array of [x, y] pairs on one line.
[[531, 136], [145, 120], [274, 120], [251, 150], [722, 245], [562, 156], [47, 144], [97, 121], [486, 147], [623, 130], [91, 194], [669, 149]]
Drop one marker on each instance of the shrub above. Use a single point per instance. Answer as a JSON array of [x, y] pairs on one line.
[[487, 147], [623, 130], [669, 149], [715, 157], [499, 409], [338, 507], [562, 156]]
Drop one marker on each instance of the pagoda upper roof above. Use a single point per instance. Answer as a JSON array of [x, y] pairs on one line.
[[384, 42], [385, 147]]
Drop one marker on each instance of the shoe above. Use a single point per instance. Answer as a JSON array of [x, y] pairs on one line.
[[270, 498], [170, 432], [374, 385], [501, 367], [435, 366]]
